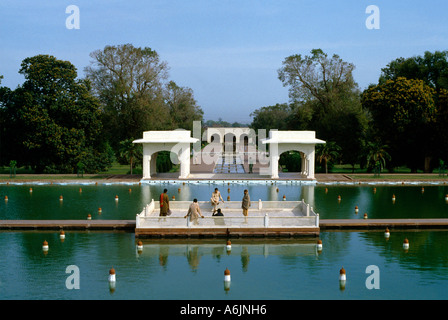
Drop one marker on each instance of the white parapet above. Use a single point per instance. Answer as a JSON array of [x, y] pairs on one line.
[[266, 214]]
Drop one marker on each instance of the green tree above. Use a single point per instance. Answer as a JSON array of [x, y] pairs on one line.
[[271, 117], [403, 116], [441, 136], [222, 123], [326, 99], [291, 160], [182, 106], [317, 77], [377, 155], [130, 152], [52, 122], [129, 84], [163, 161], [327, 152], [432, 69]]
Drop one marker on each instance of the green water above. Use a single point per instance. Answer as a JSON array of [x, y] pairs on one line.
[[193, 269], [260, 269], [44, 203]]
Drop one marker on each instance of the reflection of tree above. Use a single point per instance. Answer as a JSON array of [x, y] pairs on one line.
[[427, 250], [193, 257], [163, 256], [336, 244], [217, 252], [245, 257]]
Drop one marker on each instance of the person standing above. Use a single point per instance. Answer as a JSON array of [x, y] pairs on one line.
[[245, 202], [216, 195], [164, 203], [194, 212]]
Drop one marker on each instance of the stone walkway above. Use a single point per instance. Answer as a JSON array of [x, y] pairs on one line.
[[324, 224]]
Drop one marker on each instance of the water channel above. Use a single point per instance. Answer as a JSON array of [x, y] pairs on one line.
[[260, 268]]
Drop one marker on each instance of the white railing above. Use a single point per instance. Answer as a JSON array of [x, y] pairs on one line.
[[227, 222], [275, 214]]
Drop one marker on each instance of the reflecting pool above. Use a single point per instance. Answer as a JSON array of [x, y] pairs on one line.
[[260, 269], [80, 200]]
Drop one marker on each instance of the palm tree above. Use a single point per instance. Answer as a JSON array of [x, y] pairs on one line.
[[377, 155], [129, 151], [327, 152]]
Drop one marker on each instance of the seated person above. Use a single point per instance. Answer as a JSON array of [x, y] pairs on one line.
[[218, 213]]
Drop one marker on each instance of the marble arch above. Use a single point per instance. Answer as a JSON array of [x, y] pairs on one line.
[[176, 141], [302, 141], [238, 132]]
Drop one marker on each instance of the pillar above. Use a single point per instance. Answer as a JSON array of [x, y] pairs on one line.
[[274, 166], [146, 163], [184, 159], [153, 164], [303, 164], [310, 164], [274, 157]]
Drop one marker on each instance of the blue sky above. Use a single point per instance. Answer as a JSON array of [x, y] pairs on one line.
[[227, 51]]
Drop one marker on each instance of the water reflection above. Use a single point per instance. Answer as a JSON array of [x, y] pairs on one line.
[[194, 250], [43, 202], [261, 269]]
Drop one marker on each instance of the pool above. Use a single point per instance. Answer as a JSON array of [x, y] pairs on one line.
[[260, 269], [80, 200]]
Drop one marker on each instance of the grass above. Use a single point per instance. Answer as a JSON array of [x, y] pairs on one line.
[[24, 173], [116, 169], [51, 177], [400, 173], [398, 176], [347, 169]]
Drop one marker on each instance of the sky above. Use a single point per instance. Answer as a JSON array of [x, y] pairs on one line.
[[228, 52]]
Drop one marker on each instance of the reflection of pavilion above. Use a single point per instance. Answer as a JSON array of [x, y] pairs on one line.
[[229, 151], [243, 248], [266, 219]]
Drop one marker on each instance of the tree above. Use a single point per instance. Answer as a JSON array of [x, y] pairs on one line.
[[403, 116], [182, 106], [129, 84], [326, 99], [130, 152], [377, 155], [2, 125], [271, 117], [432, 68], [291, 160], [222, 123], [441, 135], [327, 152], [52, 122], [317, 77]]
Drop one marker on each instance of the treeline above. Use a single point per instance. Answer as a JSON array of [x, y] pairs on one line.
[[400, 121], [222, 123], [57, 123]]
